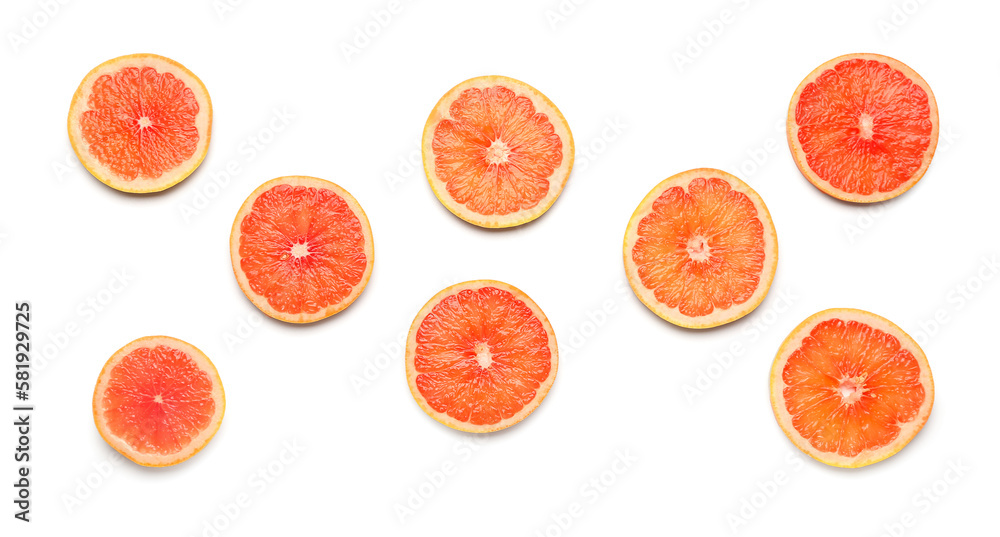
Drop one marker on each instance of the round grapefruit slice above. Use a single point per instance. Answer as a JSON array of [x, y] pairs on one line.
[[158, 401], [480, 356], [849, 388], [701, 250], [497, 152], [863, 127], [140, 123], [301, 248]]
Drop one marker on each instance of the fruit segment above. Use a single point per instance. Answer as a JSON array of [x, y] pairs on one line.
[[158, 401], [850, 388], [301, 249], [863, 127], [496, 151], [140, 123], [701, 249], [480, 356]]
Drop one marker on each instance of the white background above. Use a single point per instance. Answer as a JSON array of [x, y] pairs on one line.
[[620, 385]]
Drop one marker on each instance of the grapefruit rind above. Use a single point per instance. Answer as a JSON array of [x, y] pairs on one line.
[[203, 122], [411, 351], [718, 316], [557, 181], [794, 341], [798, 154], [261, 301], [196, 444]]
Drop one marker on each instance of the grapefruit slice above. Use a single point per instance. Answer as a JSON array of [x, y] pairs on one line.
[[849, 388], [480, 356], [140, 123], [158, 401], [863, 127], [301, 248], [496, 151], [701, 250]]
